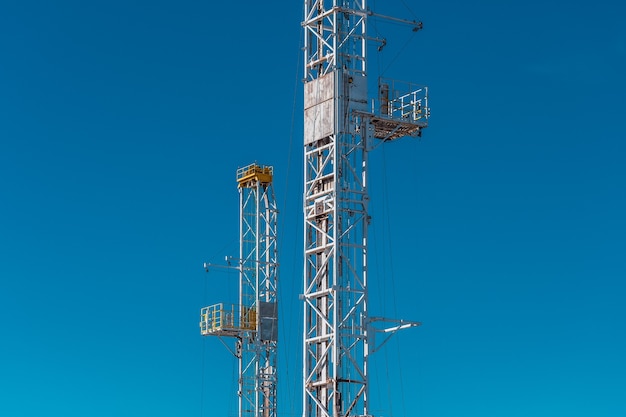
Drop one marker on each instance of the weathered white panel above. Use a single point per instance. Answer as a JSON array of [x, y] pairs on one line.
[[319, 90], [319, 109], [319, 121]]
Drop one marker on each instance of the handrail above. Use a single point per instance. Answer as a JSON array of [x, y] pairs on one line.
[[216, 318], [402, 101]]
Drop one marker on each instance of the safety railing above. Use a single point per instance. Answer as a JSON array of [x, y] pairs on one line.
[[229, 319], [263, 174], [401, 101]]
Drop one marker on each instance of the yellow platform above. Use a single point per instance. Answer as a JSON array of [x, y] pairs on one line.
[[262, 174]]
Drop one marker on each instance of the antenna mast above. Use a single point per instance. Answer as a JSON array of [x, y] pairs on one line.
[[341, 126]]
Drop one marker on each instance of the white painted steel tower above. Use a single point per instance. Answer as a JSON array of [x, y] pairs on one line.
[[341, 125], [253, 321]]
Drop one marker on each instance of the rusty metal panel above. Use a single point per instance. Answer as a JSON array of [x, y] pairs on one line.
[[319, 108]]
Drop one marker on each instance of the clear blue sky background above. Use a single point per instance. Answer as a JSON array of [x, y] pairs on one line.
[[503, 230]]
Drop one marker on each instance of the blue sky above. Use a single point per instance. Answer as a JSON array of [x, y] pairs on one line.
[[503, 230]]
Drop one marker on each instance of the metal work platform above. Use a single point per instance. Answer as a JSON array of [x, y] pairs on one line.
[[216, 320], [262, 174], [401, 109]]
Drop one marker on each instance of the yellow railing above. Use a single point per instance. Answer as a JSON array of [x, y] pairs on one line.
[[263, 174], [220, 319]]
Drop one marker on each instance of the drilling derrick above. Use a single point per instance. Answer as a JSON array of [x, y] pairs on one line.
[[341, 126], [252, 323]]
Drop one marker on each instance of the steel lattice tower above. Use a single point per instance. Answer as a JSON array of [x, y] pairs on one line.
[[341, 125], [253, 322]]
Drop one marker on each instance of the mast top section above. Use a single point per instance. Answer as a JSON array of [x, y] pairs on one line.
[[253, 173]]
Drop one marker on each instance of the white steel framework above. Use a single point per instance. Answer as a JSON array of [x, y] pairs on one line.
[[340, 126], [253, 321]]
